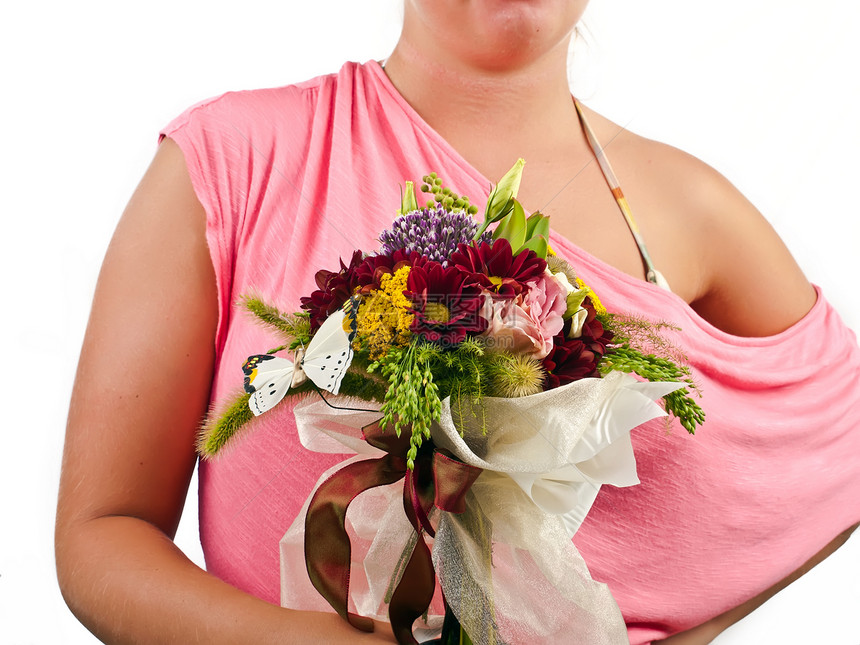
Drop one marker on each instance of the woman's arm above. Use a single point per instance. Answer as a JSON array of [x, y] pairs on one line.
[[141, 389]]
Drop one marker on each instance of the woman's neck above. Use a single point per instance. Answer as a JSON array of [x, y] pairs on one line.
[[488, 115]]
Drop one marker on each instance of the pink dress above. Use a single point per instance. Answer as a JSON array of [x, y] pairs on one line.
[[294, 177]]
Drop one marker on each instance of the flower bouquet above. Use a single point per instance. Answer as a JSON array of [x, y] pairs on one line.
[[476, 366]]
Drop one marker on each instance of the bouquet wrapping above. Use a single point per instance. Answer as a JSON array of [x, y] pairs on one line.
[[542, 465]]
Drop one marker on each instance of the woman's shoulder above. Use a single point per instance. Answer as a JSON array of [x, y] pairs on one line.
[[733, 267], [689, 186], [269, 116], [248, 107]]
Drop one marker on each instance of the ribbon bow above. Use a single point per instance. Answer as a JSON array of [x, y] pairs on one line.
[[437, 481]]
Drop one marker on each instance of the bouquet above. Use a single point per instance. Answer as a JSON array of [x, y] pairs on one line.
[[475, 365]]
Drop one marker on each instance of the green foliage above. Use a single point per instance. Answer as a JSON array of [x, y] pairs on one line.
[[537, 225], [502, 206], [501, 201], [460, 371], [462, 374], [408, 202], [644, 349], [647, 336], [361, 384], [296, 327], [420, 376], [680, 405], [217, 431], [496, 210], [655, 368], [537, 234], [522, 233], [465, 373], [513, 227], [537, 244], [412, 399], [574, 302]]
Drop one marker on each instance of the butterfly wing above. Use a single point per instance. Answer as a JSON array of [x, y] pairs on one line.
[[329, 354], [267, 380]]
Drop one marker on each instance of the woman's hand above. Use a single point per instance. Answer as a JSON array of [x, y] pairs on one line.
[[141, 389]]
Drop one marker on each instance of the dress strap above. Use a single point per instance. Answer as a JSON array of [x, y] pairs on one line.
[[651, 273]]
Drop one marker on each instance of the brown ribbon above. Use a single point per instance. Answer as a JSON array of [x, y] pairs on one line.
[[437, 480]]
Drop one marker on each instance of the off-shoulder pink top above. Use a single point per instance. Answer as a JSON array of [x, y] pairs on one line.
[[295, 177]]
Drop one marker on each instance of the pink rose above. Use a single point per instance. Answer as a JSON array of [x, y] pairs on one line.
[[526, 324]]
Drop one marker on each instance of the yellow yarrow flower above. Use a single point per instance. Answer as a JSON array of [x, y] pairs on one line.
[[598, 306], [384, 318], [394, 284]]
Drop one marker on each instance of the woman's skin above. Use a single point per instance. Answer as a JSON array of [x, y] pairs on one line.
[[142, 386], [491, 78]]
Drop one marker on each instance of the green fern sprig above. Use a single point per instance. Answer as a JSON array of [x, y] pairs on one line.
[[646, 336]]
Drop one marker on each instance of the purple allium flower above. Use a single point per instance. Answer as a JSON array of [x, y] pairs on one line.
[[432, 232]]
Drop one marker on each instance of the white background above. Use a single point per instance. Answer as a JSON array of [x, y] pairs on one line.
[[765, 91]]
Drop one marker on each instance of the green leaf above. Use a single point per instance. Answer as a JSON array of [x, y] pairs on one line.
[[574, 302], [408, 202], [538, 225], [513, 227], [576, 298], [531, 222], [536, 244]]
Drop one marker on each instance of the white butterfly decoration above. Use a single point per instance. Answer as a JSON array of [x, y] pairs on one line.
[[325, 361]]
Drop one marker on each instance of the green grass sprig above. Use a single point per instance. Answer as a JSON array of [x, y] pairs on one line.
[[296, 327], [412, 399], [217, 431], [680, 405], [655, 368]]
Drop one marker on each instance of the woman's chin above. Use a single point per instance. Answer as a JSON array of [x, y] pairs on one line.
[[499, 34]]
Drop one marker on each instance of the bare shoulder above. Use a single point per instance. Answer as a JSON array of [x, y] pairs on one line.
[[716, 249]]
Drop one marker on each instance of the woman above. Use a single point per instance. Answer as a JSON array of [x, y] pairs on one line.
[[459, 76]]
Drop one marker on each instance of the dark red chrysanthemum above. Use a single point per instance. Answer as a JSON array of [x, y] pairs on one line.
[[494, 266], [571, 359], [335, 288], [445, 305]]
